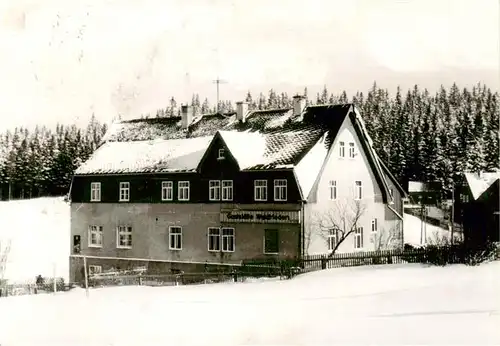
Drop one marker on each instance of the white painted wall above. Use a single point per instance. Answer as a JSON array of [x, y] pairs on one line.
[[345, 171]]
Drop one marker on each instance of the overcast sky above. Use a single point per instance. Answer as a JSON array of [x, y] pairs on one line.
[[61, 60]]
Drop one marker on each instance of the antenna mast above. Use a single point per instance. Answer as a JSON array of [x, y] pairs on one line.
[[218, 81]]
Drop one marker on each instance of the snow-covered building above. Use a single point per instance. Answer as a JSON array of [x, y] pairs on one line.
[[477, 207], [182, 192]]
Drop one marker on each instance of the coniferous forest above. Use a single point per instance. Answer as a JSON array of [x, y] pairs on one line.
[[419, 135]]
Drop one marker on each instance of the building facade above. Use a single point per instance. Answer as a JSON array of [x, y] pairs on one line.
[[181, 193]]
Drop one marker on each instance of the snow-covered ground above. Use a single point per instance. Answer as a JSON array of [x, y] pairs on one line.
[[40, 236], [431, 233], [384, 305]]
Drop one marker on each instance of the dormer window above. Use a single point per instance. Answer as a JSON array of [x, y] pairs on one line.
[[221, 154]]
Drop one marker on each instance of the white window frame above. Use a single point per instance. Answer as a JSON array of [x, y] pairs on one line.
[[227, 190], [214, 190], [95, 269], [260, 190], [341, 149], [220, 154], [332, 184], [351, 150], [280, 190], [182, 187], [95, 191], [167, 190], [264, 242], [123, 230], [124, 191], [358, 190], [175, 238], [227, 238], [97, 230], [217, 239], [333, 238], [358, 238]]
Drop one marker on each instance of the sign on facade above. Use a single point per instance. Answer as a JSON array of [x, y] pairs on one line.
[[254, 216]]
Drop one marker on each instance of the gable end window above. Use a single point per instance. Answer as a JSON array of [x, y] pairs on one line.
[[175, 236], [95, 192], [260, 190], [124, 191], [124, 237], [358, 192], [167, 190], [351, 150], [333, 189], [183, 191], [280, 190], [214, 190], [341, 149], [220, 155]]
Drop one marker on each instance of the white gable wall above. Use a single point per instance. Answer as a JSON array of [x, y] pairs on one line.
[[345, 171]]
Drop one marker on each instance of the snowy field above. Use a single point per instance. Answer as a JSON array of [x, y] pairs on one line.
[[385, 305], [39, 232]]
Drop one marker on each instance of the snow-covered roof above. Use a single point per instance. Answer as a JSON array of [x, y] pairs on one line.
[[479, 183], [173, 155], [270, 139]]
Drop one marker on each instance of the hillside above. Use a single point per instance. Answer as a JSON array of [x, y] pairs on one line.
[[39, 232]]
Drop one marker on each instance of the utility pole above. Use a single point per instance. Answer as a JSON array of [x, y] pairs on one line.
[[218, 81]]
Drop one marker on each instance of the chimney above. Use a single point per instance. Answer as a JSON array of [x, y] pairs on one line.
[[241, 111], [186, 116], [299, 103]]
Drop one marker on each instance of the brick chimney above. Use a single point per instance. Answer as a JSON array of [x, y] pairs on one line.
[[186, 116], [299, 104], [241, 111]]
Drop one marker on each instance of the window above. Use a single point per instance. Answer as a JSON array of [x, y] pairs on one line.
[[221, 154], [93, 269], [280, 190], [213, 239], [175, 233], [95, 236], [124, 237], [216, 234], [333, 238], [260, 190], [271, 241], [124, 192], [214, 190], [333, 189], [358, 238], [183, 193], [228, 240], [167, 190], [464, 198], [95, 192], [341, 149], [358, 193], [351, 150], [374, 226], [227, 190]]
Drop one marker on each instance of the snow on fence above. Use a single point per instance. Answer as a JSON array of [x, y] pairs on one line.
[[438, 255]]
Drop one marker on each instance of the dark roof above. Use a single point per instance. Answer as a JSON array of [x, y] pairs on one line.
[[268, 139]]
